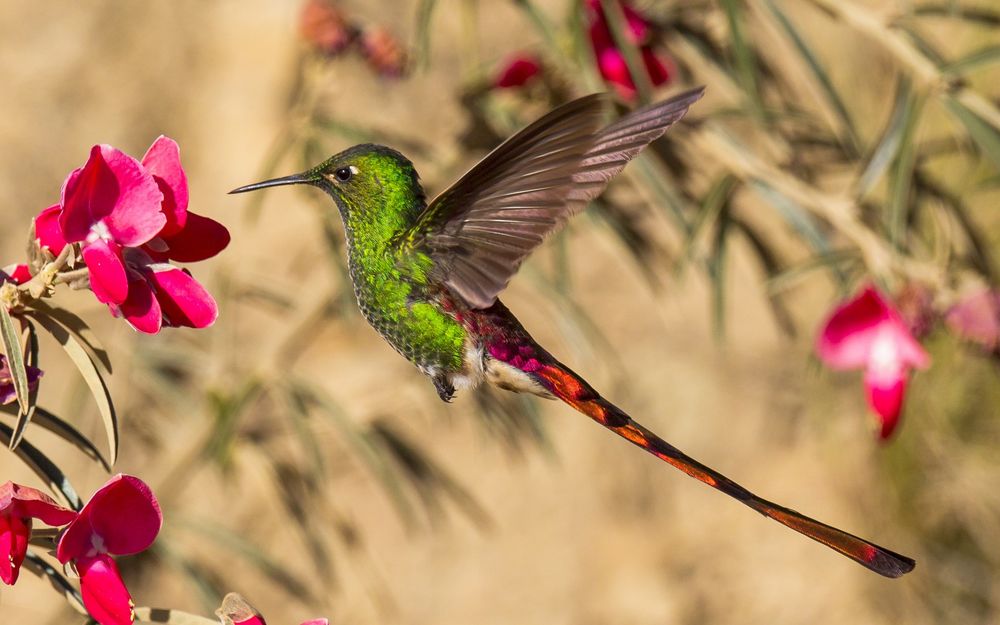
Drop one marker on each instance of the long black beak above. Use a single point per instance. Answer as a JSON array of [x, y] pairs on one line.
[[276, 182]]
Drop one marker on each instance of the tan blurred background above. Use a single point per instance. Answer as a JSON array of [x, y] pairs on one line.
[[586, 530]]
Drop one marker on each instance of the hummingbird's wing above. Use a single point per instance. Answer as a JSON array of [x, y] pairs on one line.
[[480, 230]]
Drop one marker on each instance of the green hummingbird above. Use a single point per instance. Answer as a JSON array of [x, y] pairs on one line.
[[427, 275]]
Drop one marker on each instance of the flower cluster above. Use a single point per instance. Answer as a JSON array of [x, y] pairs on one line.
[[130, 219], [327, 29], [122, 518], [610, 58]]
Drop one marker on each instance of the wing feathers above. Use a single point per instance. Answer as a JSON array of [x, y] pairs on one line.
[[482, 228]]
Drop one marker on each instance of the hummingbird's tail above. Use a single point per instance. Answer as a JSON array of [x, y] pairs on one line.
[[560, 381]]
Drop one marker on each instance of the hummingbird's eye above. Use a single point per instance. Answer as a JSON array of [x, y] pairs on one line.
[[344, 173]]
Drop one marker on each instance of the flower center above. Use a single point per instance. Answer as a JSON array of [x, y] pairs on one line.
[[97, 545], [98, 230], [884, 357]]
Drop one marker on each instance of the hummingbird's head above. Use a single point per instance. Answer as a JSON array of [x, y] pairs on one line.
[[363, 179]]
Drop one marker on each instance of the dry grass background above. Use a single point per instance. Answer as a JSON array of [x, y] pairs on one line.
[[586, 531]]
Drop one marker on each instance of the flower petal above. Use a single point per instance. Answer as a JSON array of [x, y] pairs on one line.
[[14, 534], [847, 337], [517, 71], [123, 515], [140, 309], [115, 189], [201, 238], [24, 501], [658, 69], [885, 392], [48, 232], [18, 274], [104, 593], [163, 161], [317, 621], [976, 318], [614, 69], [108, 279], [183, 300]]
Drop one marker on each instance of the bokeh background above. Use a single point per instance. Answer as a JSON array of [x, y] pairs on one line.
[[302, 463]]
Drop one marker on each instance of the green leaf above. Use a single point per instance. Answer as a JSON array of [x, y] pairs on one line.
[[850, 133], [986, 136], [79, 328], [44, 468], [801, 221], [171, 617], [892, 138], [901, 180], [15, 360], [744, 57], [85, 364], [64, 430], [708, 214], [973, 61], [422, 48], [717, 273]]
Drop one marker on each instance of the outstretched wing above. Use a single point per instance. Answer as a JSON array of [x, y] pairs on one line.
[[481, 229]]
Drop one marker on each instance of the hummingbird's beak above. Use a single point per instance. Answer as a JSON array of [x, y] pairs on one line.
[[276, 182]]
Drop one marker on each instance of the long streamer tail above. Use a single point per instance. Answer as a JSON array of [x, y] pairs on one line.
[[574, 390]]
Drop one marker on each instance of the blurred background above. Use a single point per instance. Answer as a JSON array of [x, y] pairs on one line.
[[302, 463]]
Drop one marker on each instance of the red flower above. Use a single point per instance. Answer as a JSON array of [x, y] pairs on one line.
[[867, 332], [517, 71], [236, 611], [122, 518], [383, 51], [18, 274], [611, 60], [18, 506], [131, 219]]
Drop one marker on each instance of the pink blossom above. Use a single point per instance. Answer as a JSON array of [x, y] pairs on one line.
[[868, 333], [110, 203], [18, 274], [18, 506], [131, 218], [976, 318], [517, 71], [7, 394], [122, 518], [610, 59]]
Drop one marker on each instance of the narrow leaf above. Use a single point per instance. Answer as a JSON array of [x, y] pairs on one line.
[[76, 326], [91, 375], [901, 181], [986, 136], [66, 431], [422, 48], [708, 214], [834, 101], [15, 360], [973, 61], [744, 56], [892, 138], [44, 468], [171, 617]]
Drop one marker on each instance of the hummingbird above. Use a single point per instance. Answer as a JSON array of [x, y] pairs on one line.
[[427, 274]]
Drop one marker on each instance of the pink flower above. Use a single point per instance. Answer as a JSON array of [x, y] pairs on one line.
[[131, 219], [611, 60], [236, 611], [517, 71], [18, 506], [110, 203], [867, 332], [976, 318], [7, 394], [18, 274], [122, 518]]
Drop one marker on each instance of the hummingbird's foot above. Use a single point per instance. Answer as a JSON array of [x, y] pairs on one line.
[[444, 388]]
